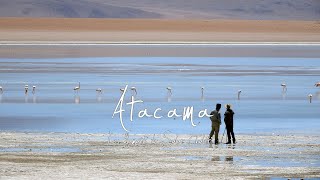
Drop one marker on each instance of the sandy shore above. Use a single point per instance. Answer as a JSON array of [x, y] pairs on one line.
[[55, 29], [161, 156], [105, 34]]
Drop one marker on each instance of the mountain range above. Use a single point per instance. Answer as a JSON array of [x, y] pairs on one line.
[[167, 9]]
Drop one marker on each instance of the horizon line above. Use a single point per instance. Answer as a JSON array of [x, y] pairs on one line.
[[155, 43]]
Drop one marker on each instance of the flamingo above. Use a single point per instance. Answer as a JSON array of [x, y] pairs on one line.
[[169, 90], [33, 89], [317, 84], [77, 88], [99, 90], [134, 90], [169, 94], [1, 90], [284, 87], [202, 93], [239, 92], [310, 98], [26, 87]]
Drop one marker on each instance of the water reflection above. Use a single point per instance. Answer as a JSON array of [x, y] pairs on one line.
[[215, 158], [202, 98], [77, 99], [26, 98], [227, 159], [284, 95], [231, 146], [318, 94], [34, 99], [99, 98]]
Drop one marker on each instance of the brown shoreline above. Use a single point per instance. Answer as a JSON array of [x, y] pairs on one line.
[[51, 30], [64, 29]]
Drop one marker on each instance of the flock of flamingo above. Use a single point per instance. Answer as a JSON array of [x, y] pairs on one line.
[[169, 89]]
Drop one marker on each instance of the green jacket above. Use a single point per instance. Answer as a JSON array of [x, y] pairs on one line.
[[215, 117]]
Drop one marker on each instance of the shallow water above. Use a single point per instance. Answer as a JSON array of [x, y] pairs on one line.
[[51, 149], [262, 108]]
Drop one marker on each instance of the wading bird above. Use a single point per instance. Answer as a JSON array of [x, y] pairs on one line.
[[26, 87], [33, 89], [77, 88], [317, 84], [169, 90], [1, 90], [310, 98], [169, 94], [134, 91], [99, 90], [202, 93], [239, 92], [284, 87], [122, 90]]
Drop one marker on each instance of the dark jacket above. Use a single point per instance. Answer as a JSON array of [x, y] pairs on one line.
[[228, 117]]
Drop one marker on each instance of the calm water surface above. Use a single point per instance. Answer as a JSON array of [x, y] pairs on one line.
[[263, 106]]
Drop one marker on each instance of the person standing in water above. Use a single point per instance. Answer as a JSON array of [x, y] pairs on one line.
[[215, 124], [228, 120]]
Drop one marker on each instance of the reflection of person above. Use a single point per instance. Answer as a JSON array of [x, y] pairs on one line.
[[215, 124], [228, 120], [229, 158]]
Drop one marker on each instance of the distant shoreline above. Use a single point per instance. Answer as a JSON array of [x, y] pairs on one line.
[[157, 30], [156, 43], [157, 49], [67, 37]]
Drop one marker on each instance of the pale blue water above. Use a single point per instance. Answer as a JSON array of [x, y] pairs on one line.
[[262, 108]]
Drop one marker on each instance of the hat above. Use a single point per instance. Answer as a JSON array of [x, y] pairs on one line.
[[228, 106]]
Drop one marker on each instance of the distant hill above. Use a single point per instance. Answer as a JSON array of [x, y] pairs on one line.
[[201, 9]]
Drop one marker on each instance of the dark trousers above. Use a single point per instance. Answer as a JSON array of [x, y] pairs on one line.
[[230, 133]]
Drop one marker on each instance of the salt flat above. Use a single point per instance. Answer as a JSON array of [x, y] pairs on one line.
[[156, 156]]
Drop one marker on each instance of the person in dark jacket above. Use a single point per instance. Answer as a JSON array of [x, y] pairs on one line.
[[215, 123], [228, 120]]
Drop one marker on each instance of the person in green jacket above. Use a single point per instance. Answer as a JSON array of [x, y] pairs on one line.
[[215, 124]]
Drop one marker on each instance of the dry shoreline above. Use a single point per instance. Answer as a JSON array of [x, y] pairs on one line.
[[169, 156], [62, 37], [63, 29]]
